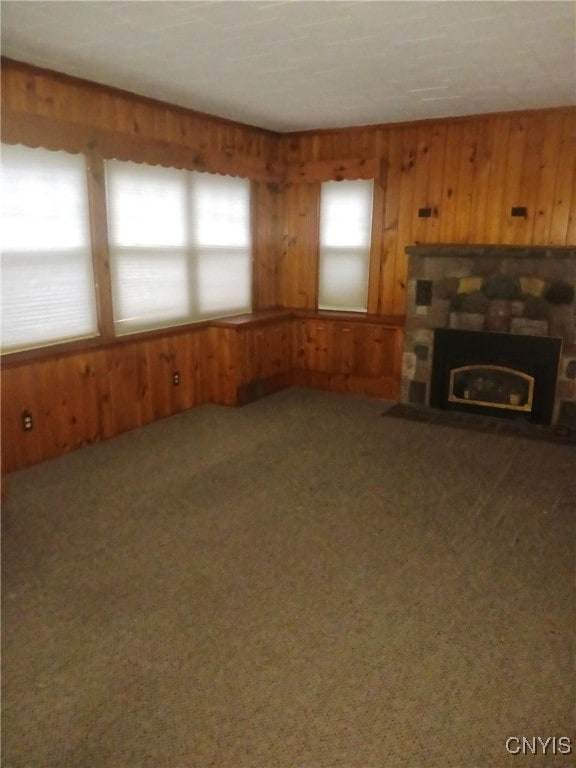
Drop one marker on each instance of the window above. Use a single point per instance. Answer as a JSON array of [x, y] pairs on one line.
[[179, 244], [345, 234], [221, 237], [148, 241], [47, 278]]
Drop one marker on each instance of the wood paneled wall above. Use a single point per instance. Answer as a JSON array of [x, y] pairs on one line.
[[79, 398], [76, 399], [299, 216], [266, 247], [347, 356], [32, 91], [470, 171]]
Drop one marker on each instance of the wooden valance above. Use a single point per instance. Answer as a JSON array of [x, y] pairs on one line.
[[54, 134], [51, 133]]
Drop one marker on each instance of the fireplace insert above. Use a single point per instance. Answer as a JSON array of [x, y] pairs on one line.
[[499, 374]]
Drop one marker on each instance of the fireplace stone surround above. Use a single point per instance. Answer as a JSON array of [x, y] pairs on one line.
[[526, 291]]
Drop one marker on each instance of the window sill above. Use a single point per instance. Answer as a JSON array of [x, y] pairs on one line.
[[389, 321]]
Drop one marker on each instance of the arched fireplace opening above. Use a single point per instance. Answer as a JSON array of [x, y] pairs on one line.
[[495, 374]]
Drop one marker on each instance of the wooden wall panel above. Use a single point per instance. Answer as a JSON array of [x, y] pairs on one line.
[[467, 160], [69, 410], [218, 356], [515, 155], [563, 203], [79, 398], [298, 272], [20, 394], [571, 229], [497, 176], [123, 387], [391, 215], [35, 91], [550, 160], [43, 108], [355, 357], [431, 231], [406, 217], [521, 229], [264, 352], [265, 201], [377, 262], [473, 170], [62, 397], [422, 162], [481, 188], [448, 209]]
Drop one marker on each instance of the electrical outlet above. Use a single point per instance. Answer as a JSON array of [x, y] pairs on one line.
[[176, 378], [27, 423]]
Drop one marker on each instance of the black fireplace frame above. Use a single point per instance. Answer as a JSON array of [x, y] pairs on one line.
[[537, 356]]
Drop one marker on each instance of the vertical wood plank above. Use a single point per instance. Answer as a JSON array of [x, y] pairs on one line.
[[156, 383], [523, 227], [265, 202], [550, 159], [431, 230], [100, 249], [450, 194], [481, 190], [299, 255], [391, 219], [499, 155], [421, 184], [571, 229], [377, 241], [406, 217], [561, 207], [512, 193], [19, 394], [465, 184], [188, 361]]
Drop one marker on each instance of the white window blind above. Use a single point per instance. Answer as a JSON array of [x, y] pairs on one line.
[[179, 245], [345, 235], [221, 237], [148, 239], [47, 277]]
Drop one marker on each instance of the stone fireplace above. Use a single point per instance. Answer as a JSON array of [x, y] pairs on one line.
[[491, 329]]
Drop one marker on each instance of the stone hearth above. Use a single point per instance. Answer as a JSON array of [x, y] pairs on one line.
[[516, 290]]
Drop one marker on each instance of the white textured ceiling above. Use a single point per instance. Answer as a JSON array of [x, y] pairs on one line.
[[305, 64]]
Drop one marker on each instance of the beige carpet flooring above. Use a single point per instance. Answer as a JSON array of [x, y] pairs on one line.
[[299, 583]]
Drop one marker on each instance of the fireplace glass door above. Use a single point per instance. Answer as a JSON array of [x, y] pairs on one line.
[[493, 386]]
